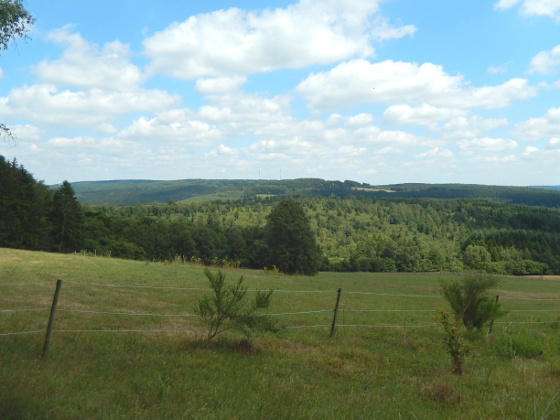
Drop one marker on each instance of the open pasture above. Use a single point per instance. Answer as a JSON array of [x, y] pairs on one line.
[[126, 344]]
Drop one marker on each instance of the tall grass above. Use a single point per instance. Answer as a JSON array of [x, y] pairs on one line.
[[378, 365]]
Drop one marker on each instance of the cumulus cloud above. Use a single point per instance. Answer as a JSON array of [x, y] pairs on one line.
[[374, 136], [530, 150], [421, 115], [548, 8], [186, 132], [539, 128], [84, 65], [545, 62], [436, 152], [27, 132], [235, 41], [219, 85], [554, 143], [359, 81], [469, 127], [487, 144], [71, 141], [359, 120], [45, 104]]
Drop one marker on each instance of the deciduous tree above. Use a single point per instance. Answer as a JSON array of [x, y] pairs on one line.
[[14, 23]]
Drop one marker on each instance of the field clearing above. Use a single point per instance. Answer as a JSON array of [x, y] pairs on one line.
[[387, 359]]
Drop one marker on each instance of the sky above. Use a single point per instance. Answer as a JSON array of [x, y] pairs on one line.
[[374, 91]]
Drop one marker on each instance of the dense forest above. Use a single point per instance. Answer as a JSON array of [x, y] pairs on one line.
[[146, 192], [356, 232]]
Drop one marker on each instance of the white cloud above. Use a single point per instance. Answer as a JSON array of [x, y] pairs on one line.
[[497, 69], [27, 132], [219, 85], [374, 136], [539, 128], [359, 120], [487, 144], [548, 8], [45, 104], [495, 159], [71, 141], [234, 41], [529, 150], [554, 143], [84, 65], [421, 115], [469, 127], [545, 62], [505, 4], [359, 81], [436, 152], [186, 132]]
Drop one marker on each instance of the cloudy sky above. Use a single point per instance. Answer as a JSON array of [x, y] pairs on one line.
[[377, 91]]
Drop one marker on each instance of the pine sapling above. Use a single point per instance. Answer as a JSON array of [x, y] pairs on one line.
[[228, 308]]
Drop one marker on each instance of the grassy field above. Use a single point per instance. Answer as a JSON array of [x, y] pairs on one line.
[[126, 346]]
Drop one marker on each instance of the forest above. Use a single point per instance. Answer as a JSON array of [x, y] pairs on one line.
[[355, 231], [150, 191]]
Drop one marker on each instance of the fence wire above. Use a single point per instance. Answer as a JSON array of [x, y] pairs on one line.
[[338, 325]]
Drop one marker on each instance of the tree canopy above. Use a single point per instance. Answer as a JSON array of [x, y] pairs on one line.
[[292, 245], [14, 21]]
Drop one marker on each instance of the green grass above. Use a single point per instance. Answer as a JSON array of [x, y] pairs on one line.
[[380, 371]]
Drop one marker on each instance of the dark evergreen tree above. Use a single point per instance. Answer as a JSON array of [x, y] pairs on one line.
[[66, 219], [22, 207], [291, 243]]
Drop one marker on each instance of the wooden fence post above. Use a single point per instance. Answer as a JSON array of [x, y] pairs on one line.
[[333, 326], [51, 318], [492, 321]]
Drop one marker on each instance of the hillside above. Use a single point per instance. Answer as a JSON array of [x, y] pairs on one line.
[[126, 345], [121, 192]]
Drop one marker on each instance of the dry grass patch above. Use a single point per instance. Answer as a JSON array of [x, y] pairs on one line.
[[441, 393]]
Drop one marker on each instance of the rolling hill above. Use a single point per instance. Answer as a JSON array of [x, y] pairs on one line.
[[126, 192]]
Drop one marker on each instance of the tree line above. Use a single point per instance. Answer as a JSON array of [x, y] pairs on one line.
[[34, 216], [354, 233]]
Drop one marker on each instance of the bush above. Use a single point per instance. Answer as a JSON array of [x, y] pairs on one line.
[[470, 301], [457, 348], [515, 346]]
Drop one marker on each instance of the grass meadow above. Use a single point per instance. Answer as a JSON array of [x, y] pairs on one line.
[[126, 345]]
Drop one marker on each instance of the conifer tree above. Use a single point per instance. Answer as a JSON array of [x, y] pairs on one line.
[[292, 246], [67, 220]]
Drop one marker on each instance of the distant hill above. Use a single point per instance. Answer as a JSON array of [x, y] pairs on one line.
[[125, 192], [147, 191]]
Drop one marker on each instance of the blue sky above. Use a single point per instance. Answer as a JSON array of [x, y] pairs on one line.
[[376, 91]]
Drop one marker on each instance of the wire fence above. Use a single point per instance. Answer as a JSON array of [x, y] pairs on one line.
[[358, 310]]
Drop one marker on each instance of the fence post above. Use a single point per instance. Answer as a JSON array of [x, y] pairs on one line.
[[51, 318], [492, 321], [333, 326]]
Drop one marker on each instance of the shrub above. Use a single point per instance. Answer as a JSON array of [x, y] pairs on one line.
[[470, 301], [457, 348], [516, 346]]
